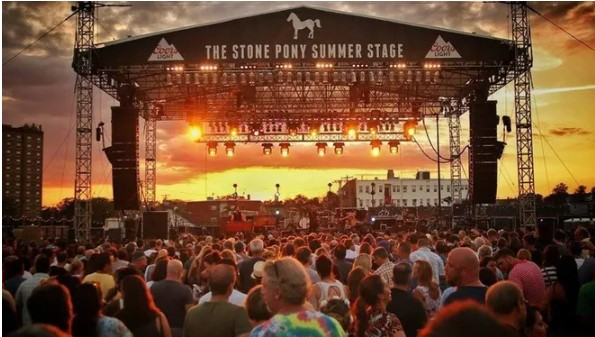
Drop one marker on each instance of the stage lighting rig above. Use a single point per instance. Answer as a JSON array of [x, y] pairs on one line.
[[376, 144], [212, 148], [393, 146], [267, 149], [321, 149], [339, 148], [230, 148], [284, 149], [409, 129]]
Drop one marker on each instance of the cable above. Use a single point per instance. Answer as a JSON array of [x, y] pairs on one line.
[[39, 38], [547, 177], [562, 29], [456, 156], [430, 158]]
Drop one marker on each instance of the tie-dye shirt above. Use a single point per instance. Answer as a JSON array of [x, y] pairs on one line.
[[303, 323]]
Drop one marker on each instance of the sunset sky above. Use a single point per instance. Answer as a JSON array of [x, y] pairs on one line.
[[38, 87]]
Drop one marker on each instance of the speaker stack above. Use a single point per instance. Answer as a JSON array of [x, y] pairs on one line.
[[483, 161]]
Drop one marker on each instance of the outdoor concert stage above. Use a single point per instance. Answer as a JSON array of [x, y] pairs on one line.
[[301, 75]]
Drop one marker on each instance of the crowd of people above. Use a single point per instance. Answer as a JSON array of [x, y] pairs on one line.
[[409, 284]]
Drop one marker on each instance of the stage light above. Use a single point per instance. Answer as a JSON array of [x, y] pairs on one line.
[[292, 128], [267, 149], [376, 147], [256, 129], [409, 129], [284, 149], [212, 148], [230, 148], [321, 149], [233, 129], [373, 127], [314, 129], [339, 148], [351, 129], [393, 146], [195, 132]]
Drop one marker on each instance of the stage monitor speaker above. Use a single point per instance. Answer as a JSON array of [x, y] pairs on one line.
[[155, 225], [115, 234]]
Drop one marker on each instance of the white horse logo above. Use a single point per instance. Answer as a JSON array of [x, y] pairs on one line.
[[299, 25]]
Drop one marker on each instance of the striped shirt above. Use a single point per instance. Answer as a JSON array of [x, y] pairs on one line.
[[528, 277], [550, 275]]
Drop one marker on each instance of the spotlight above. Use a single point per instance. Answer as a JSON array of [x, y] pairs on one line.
[[351, 129], [393, 146], [212, 148], [256, 129], [314, 129], [373, 128], [195, 132], [292, 128], [339, 148], [229, 148], [375, 147], [409, 129], [284, 149], [233, 129], [267, 149], [321, 149]]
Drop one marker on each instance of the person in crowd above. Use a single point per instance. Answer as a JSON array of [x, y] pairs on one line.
[[172, 297], [88, 320], [328, 287], [10, 319], [484, 251], [551, 258], [120, 260], [364, 261], [39, 330], [490, 263], [77, 269], [487, 276], [581, 234], [61, 266], [102, 274], [427, 289], [385, 267], [139, 262], [138, 311], [256, 248], [42, 268], [218, 317], [240, 250], [356, 275], [371, 317], [350, 253], [285, 291], [529, 241], [161, 254], [462, 271], [343, 266], [159, 272], [410, 311], [114, 297], [585, 308], [505, 300], [60, 313], [562, 296], [425, 253], [236, 297], [258, 312], [535, 326], [525, 274], [338, 309], [576, 250], [365, 248], [464, 319], [13, 271], [304, 255]]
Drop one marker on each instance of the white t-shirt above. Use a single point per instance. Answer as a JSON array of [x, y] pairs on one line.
[[236, 298]]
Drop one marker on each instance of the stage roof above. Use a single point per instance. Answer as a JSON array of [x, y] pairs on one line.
[[305, 62]]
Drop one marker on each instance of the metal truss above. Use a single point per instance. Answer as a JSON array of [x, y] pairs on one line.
[[454, 130], [150, 156], [522, 99], [302, 138], [84, 118]]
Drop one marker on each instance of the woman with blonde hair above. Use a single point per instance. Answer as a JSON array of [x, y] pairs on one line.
[[427, 290], [364, 261], [285, 287]]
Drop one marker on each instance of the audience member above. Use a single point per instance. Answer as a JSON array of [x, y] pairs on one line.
[[172, 297], [410, 311]]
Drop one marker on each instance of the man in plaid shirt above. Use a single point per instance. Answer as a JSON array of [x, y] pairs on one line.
[[380, 258]]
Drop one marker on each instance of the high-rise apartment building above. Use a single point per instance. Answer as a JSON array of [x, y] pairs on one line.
[[22, 159]]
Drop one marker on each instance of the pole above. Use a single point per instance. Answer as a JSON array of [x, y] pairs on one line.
[[438, 163]]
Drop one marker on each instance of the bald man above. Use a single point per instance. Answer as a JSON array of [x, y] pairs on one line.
[[505, 300], [462, 272], [173, 297]]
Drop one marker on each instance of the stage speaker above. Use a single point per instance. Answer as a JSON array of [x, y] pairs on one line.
[[483, 162], [124, 159], [155, 225]]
